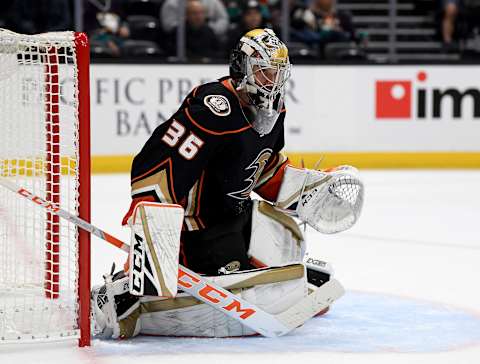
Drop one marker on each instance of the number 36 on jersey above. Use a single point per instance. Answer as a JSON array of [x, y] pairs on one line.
[[189, 147]]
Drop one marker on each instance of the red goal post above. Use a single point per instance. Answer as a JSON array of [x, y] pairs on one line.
[[44, 146]]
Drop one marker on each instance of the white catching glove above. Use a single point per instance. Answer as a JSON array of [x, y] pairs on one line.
[[328, 201]]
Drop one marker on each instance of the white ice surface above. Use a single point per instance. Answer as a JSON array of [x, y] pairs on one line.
[[411, 267]]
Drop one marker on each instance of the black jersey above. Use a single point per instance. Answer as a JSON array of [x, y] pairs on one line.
[[207, 157]]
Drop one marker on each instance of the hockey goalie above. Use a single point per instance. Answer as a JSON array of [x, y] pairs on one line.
[[191, 188]]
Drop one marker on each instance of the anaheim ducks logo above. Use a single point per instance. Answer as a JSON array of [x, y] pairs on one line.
[[257, 166]]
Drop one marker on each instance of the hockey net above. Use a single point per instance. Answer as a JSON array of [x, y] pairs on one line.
[[44, 148]]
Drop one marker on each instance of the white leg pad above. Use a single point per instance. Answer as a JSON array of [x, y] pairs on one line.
[[201, 320], [275, 238]]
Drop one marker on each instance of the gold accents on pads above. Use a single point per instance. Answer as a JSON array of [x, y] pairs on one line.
[[271, 275], [169, 304], [266, 276], [268, 210], [128, 324]]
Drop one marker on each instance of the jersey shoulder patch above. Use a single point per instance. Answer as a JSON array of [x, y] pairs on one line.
[[218, 104], [215, 109]]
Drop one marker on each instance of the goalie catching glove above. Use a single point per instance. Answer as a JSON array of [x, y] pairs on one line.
[[329, 201]]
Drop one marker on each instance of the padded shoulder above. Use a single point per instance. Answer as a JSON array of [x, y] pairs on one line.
[[216, 109]]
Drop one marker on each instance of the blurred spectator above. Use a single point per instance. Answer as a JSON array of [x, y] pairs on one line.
[[449, 10], [472, 11], [215, 13], [111, 34], [93, 7], [40, 16], [201, 41], [321, 23], [296, 9], [251, 18], [235, 9]]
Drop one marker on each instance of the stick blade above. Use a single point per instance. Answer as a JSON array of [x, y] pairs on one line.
[[316, 301]]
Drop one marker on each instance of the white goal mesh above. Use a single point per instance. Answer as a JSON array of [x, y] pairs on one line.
[[39, 151]]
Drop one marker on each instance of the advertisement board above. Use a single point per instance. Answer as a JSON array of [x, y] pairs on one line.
[[330, 109]]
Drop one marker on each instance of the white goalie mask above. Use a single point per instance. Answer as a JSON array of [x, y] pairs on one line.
[[261, 67]]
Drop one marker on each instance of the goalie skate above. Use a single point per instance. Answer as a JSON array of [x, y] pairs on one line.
[[110, 302]]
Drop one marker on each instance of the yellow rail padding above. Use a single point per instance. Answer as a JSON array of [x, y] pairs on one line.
[[362, 160], [34, 166], [112, 163]]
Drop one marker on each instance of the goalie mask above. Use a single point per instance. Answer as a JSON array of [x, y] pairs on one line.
[[260, 66]]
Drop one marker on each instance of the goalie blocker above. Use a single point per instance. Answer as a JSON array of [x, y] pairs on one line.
[[154, 249]]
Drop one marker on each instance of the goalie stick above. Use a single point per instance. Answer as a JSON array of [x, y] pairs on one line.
[[248, 314]]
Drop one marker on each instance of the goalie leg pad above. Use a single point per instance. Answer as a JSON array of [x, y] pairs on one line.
[[154, 249], [186, 316], [276, 238]]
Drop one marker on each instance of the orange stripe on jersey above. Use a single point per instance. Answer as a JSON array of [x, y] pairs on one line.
[[211, 131], [270, 189], [228, 85], [150, 170]]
